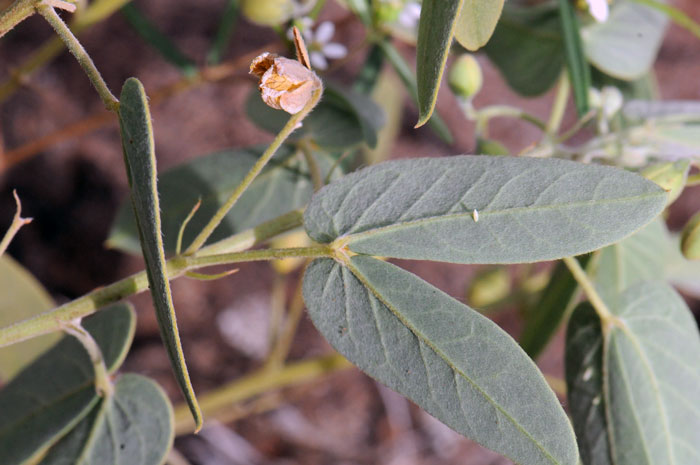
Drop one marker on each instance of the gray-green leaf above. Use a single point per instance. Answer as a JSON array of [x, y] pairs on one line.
[[528, 209], [53, 393], [639, 379], [133, 427], [438, 20], [625, 46], [453, 362], [140, 160], [477, 22], [283, 186]]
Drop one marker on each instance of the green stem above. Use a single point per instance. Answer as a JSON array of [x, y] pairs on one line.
[[280, 350], [262, 381], [677, 16], [15, 14], [76, 48], [584, 120], [286, 131], [559, 106], [483, 116], [314, 170], [57, 318], [17, 223], [102, 382], [581, 277]]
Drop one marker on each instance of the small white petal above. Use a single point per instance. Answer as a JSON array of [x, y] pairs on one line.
[[305, 23], [599, 9], [410, 14], [612, 100], [318, 60], [324, 32], [290, 33], [335, 51]]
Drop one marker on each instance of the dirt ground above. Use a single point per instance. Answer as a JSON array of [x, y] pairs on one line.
[[74, 187]]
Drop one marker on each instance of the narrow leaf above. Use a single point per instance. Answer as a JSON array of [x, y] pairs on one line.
[[438, 20], [576, 62], [161, 43], [639, 379], [56, 391], [477, 22], [140, 160], [21, 297], [436, 123], [545, 316], [227, 25], [133, 427], [283, 186], [527, 209], [453, 362], [527, 48]]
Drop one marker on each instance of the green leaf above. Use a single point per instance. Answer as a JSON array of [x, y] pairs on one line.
[[527, 209], [57, 390], [527, 48], [156, 39], [133, 427], [21, 297], [477, 21], [625, 46], [361, 10], [341, 120], [283, 186], [576, 63], [640, 257], [453, 362], [371, 70], [634, 387], [436, 123], [140, 160], [545, 316], [438, 21]]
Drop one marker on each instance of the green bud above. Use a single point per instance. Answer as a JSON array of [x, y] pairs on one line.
[[465, 76], [489, 287], [670, 176], [690, 238], [387, 11], [490, 147], [268, 12]]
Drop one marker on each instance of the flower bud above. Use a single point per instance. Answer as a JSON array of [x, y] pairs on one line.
[[284, 84], [268, 12], [465, 76], [690, 238], [670, 176]]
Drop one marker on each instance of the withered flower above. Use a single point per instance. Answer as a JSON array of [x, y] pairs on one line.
[[284, 84]]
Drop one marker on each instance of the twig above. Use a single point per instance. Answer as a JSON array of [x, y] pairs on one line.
[[17, 223]]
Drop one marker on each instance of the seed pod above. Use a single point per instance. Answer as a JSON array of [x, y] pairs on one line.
[[284, 84], [268, 12]]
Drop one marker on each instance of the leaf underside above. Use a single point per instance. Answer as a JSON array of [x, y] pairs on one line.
[[477, 22], [528, 209], [456, 364], [634, 391]]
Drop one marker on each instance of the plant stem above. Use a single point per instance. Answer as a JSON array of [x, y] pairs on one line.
[[17, 223], [559, 106], [581, 277], [213, 403], [102, 382], [288, 128], [314, 170], [283, 344], [15, 14], [57, 318], [76, 48]]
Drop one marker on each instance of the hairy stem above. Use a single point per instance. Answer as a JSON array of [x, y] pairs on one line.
[[582, 279], [559, 106], [286, 131], [215, 403], [76, 48], [15, 14], [17, 223], [102, 382]]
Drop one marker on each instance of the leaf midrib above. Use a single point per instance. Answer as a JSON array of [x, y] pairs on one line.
[[487, 213], [446, 359]]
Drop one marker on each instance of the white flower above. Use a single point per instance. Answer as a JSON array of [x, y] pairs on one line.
[[599, 9], [321, 49], [410, 14]]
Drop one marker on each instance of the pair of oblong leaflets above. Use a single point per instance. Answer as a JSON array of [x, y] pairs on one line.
[[449, 359]]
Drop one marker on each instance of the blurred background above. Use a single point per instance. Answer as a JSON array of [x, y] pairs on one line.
[[60, 149]]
